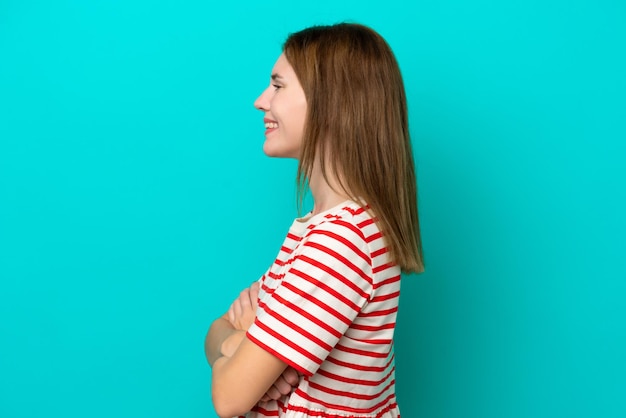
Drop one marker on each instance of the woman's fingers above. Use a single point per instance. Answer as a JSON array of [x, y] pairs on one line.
[[291, 376], [242, 311], [231, 313], [254, 295], [282, 386], [244, 299], [273, 393], [237, 309]]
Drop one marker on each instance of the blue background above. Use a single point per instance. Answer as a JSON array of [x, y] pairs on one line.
[[135, 200]]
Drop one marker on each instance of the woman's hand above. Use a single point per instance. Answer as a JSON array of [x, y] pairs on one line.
[[240, 315], [284, 385], [242, 311]]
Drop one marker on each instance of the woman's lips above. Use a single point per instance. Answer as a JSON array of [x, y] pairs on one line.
[[270, 125]]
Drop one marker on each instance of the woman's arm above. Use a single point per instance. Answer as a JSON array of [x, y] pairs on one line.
[[243, 373], [221, 340], [226, 332], [238, 382]]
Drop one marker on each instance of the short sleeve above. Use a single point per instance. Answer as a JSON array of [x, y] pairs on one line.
[[323, 290]]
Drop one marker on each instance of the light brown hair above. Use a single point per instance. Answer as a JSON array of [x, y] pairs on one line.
[[357, 116]]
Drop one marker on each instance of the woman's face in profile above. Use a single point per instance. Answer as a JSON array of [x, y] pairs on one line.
[[284, 106]]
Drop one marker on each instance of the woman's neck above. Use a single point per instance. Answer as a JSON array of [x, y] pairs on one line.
[[326, 194]]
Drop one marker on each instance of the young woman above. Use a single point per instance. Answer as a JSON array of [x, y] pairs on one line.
[[314, 336]]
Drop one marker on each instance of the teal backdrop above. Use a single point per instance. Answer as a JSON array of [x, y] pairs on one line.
[[135, 200]]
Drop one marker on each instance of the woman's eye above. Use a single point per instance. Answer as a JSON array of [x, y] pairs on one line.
[[276, 86]]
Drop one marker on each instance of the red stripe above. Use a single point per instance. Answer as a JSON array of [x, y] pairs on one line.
[[319, 303], [288, 343], [294, 237], [361, 352], [361, 327], [304, 333], [379, 252], [361, 367], [265, 412], [346, 408], [387, 281], [344, 241], [365, 223], [321, 414], [352, 227], [267, 289], [375, 341], [281, 263], [308, 315], [341, 258], [352, 394], [278, 355], [355, 212], [334, 273], [383, 267], [360, 382], [387, 409], [378, 313], [374, 237], [327, 288], [286, 249], [385, 297]]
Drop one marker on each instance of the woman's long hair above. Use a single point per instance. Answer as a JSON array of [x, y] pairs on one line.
[[357, 118]]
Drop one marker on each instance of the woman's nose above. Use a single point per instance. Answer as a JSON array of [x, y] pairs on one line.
[[262, 102]]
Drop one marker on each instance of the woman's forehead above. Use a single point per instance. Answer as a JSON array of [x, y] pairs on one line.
[[282, 68]]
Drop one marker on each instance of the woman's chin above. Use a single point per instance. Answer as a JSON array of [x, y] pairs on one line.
[[275, 152]]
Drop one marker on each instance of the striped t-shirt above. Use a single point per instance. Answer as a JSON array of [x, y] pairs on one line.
[[327, 307]]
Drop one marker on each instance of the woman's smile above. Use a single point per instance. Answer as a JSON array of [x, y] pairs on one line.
[[270, 125]]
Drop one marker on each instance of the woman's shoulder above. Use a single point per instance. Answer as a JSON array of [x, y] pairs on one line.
[[347, 229], [348, 216]]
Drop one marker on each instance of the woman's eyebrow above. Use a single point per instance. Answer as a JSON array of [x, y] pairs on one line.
[[276, 77]]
